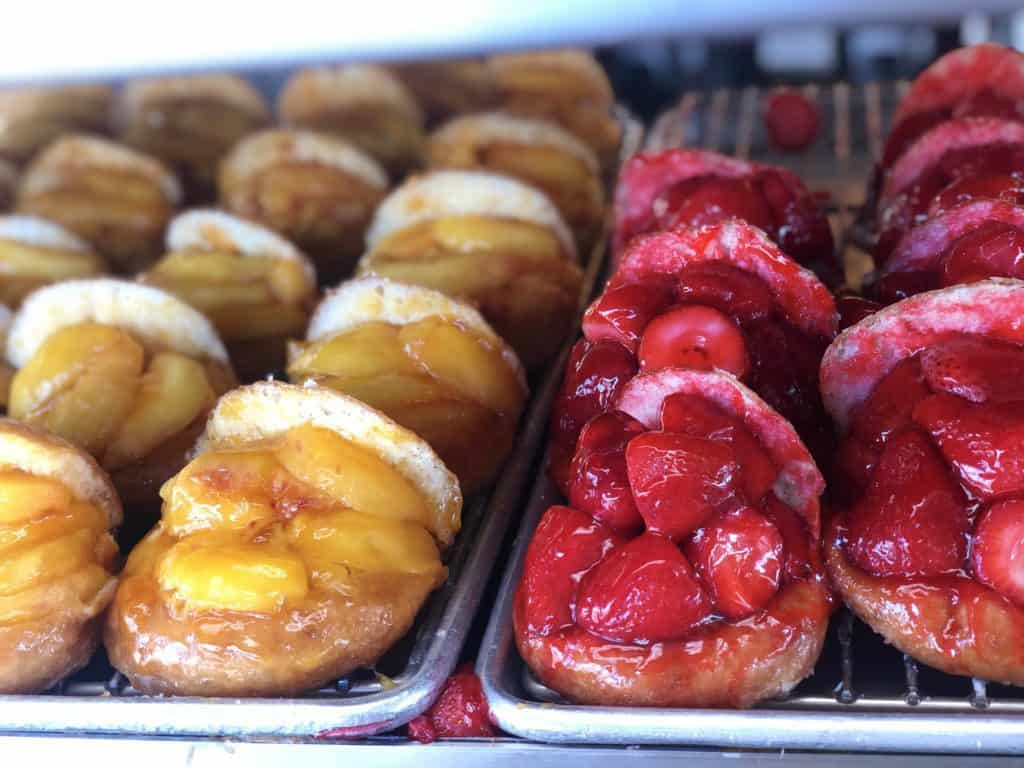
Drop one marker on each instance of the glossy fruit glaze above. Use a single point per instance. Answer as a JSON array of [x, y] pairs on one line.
[[992, 248], [674, 539], [958, 176], [680, 188], [933, 469], [715, 316], [791, 119], [460, 711]]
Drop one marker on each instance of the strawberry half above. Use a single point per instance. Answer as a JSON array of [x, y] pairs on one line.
[[983, 443], [621, 314], [799, 552], [598, 482], [976, 369], [565, 544], [693, 336], [697, 417], [726, 288], [913, 520], [738, 557], [891, 404], [678, 481], [999, 549], [643, 591]]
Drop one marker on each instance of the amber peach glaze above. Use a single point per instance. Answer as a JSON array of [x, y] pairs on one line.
[[721, 599], [486, 239], [255, 287], [116, 199], [427, 361], [127, 372], [297, 545], [35, 252], [57, 557], [928, 394]]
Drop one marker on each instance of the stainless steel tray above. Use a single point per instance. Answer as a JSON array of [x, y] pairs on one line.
[[864, 695], [406, 680]]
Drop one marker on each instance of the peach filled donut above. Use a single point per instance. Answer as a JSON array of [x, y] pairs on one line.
[[125, 371], [255, 286], [296, 546], [429, 362], [58, 559], [686, 572], [486, 239]]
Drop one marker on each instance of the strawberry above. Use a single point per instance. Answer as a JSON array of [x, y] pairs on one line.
[[791, 119], [678, 481], [693, 336], [983, 443], [598, 484], [726, 288], [1000, 186], [643, 591], [976, 369], [703, 200], [912, 521], [998, 553], [565, 543], [738, 557], [853, 308], [854, 462], [799, 552], [460, 711], [694, 416], [593, 378], [621, 314], [891, 404]]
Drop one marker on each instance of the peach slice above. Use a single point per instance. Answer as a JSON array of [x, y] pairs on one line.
[[19, 260], [475, 234], [206, 574], [354, 476], [47, 561], [364, 542], [469, 363], [171, 395], [369, 350], [25, 497], [80, 384], [389, 391], [72, 594], [54, 525]]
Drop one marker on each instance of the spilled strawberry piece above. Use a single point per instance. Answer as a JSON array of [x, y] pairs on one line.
[[460, 711], [594, 375], [644, 591], [994, 249], [791, 119], [998, 553], [679, 481], [976, 369], [738, 557], [565, 544], [693, 337], [731, 290], [621, 314], [853, 308], [697, 417], [704, 200], [912, 521], [984, 443], [598, 482], [999, 186], [799, 553], [891, 405]]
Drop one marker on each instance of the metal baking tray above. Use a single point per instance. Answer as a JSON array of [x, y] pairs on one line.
[[864, 695], [404, 682]]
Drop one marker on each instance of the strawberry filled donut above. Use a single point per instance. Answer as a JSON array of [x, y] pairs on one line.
[[660, 191], [926, 540], [716, 297], [685, 571]]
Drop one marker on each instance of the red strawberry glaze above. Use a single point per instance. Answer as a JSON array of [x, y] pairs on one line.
[[460, 711], [925, 546], [718, 599], [687, 188]]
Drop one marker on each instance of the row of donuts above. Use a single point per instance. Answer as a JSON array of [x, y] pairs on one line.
[[298, 523]]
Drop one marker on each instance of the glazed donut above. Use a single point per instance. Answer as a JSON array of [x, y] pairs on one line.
[[928, 395], [686, 573]]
